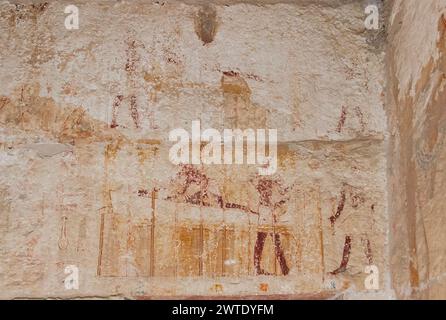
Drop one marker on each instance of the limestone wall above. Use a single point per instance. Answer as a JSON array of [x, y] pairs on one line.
[[417, 157], [85, 176]]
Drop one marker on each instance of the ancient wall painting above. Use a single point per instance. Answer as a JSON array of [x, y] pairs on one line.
[[84, 137], [204, 223], [125, 214], [217, 222]]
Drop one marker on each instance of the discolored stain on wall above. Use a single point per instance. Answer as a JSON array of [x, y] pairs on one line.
[[84, 151], [206, 23]]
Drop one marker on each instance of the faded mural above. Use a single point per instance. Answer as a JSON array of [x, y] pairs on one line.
[[85, 173]]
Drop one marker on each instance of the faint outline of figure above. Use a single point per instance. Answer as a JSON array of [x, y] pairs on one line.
[[272, 200]]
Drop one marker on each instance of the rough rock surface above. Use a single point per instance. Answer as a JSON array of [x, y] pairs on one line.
[[86, 180], [416, 69]]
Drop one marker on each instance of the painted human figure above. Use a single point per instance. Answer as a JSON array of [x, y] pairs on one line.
[[352, 206], [271, 205], [268, 203]]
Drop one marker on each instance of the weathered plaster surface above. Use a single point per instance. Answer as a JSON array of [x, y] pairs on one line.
[[85, 175], [417, 118]]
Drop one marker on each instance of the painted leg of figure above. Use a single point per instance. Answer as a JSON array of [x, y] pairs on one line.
[[345, 256], [368, 251], [258, 249], [280, 255]]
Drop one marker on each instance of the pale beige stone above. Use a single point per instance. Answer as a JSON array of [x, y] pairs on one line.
[[86, 179]]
